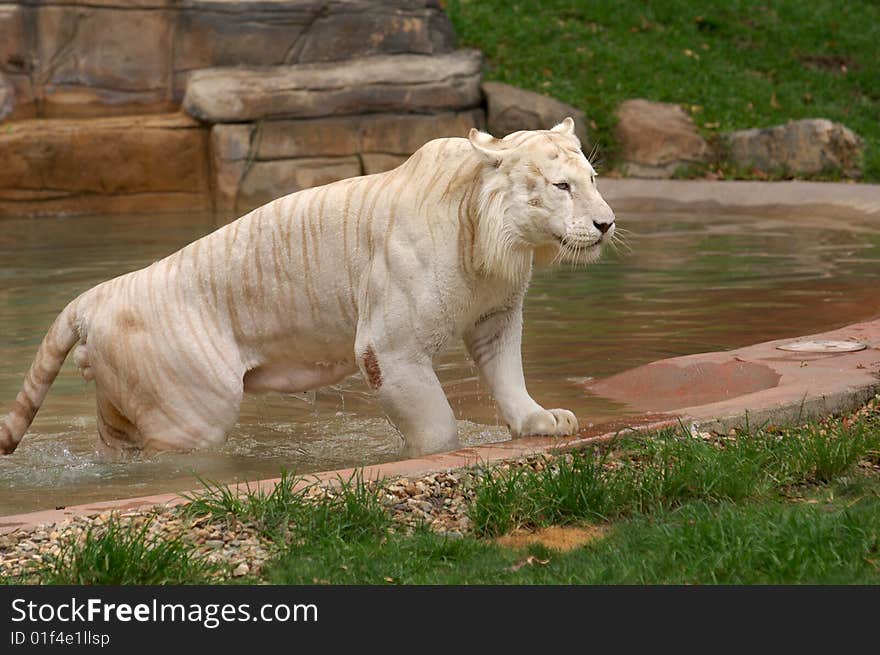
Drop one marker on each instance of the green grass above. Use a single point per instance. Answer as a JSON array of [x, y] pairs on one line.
[[735, 64], [699, 542], [668, 469], [123, 554]]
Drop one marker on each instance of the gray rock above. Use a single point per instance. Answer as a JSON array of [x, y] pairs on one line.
[[267, 180], [510, 109], [363, 29], [805, 147], [211, 33], [105, 57], [411, 83], [657, 138]]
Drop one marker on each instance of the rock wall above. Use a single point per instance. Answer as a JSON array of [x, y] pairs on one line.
[[178, 105], [77, 58], [281, 95]]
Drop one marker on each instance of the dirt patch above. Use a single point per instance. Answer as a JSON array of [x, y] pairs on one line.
[[561, 538], [829, 63]]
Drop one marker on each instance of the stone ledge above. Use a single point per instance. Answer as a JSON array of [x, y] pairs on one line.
[[405, 83]]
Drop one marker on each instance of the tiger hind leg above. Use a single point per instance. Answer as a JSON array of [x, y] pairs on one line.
[[117, 435], [200, 420]]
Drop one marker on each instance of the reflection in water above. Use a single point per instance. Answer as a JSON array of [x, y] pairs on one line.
[[691, 284]]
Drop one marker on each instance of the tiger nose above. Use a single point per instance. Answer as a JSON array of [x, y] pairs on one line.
[[603, 227]]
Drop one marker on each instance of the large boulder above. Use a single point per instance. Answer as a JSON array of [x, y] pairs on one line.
[[655, 139], [414, 83], [154, 163], [805, 147], [510, 109]]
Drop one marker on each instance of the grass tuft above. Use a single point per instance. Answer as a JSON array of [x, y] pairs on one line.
[[562, 491], [120, 553], [269, 511]]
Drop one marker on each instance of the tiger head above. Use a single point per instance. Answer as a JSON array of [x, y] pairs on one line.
[[539, 197]]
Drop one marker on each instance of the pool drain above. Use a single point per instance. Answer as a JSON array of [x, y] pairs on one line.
[[823, 346]]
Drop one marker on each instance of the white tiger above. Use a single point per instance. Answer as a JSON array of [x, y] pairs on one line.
[[375, 273]]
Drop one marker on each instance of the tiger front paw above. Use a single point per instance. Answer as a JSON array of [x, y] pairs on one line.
[[548, 422]]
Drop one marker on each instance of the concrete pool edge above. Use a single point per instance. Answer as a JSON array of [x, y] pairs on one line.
[[809, 386], [787, 198]]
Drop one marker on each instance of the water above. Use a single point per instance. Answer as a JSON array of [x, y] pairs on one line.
[[691, 284]]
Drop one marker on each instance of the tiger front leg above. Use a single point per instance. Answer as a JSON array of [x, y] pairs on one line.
[[495, 344], [412, 398]]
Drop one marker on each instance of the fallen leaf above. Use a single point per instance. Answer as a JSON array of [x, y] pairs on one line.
[[529, 561]]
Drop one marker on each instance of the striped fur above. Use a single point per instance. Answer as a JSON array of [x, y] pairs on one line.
[[375, 273]]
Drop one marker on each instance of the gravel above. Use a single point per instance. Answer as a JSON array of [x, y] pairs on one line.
[[438, 500]]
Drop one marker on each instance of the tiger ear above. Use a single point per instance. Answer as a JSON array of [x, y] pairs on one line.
[[565, 127], [487, 146]]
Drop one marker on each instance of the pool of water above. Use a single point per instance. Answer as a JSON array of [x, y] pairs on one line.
[[691, 283]]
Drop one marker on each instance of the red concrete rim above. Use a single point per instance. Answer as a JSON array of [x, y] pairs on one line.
[[462, 458]]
